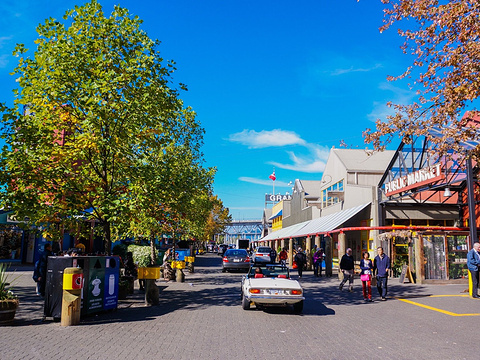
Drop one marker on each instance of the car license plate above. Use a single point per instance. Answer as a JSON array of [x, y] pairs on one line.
[[236, 260], [276, 292]]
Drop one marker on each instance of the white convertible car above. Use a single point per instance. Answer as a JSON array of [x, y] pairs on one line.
[[270, 285]]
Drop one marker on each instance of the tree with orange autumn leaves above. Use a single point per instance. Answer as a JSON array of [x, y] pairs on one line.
[[443, 38]]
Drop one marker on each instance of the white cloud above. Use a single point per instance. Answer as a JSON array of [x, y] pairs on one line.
[[266, 138], [352, 69], [4, 39], [268, 182], [3, 61], [314, 162]]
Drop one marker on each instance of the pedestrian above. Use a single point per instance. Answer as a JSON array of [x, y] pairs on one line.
[[317, 262], [273, 256], [473, 264], [130, 266], [381, 265], [283, 256], [347, 266], [40, 270], [366, 266], [301, 259]]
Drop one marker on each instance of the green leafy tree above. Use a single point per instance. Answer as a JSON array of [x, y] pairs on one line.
[[95, 110], [442, 37]]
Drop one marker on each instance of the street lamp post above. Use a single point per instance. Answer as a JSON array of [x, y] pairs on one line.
[[471, 204]]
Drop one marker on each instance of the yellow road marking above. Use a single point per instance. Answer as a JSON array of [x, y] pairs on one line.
[[437, 309]]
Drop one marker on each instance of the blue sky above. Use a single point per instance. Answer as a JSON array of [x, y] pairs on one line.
[[274, 83]]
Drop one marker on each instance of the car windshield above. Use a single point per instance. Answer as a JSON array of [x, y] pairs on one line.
[[270, 271], [236, 253], [263, 250]]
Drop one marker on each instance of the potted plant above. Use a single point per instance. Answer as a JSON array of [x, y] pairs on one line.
[[8, 300]]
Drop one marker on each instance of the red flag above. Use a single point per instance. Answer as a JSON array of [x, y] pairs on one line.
[[272, 176]]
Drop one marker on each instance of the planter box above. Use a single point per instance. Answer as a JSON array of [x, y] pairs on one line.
[[8, 308]]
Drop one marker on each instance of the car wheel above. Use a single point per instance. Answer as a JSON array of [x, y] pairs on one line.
[[245, 303], [223, 270], [298, 307]]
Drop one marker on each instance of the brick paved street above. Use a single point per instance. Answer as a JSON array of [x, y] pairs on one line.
[[202, 319]]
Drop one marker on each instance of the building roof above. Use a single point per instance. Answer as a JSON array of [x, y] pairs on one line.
[[311, 188], [364, 160], [323, 224]]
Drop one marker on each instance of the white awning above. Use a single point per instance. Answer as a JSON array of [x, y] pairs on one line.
[[330, 222], [285, 232], [323, 224]]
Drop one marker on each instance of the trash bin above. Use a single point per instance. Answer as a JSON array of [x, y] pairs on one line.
[[100, 290], [54, 285], [112, 276]]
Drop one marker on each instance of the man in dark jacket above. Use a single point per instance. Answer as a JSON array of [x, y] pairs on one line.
[[347, 266], [40, 272], [381, 266], [301, 259], [473, 264]]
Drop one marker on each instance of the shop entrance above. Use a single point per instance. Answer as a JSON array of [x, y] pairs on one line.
[[435, 261]]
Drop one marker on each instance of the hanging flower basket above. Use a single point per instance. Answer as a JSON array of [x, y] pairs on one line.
[[8, 308]]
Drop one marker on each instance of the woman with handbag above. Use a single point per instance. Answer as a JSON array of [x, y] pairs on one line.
[[366, 276]]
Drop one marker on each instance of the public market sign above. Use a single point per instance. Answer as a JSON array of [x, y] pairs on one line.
[[418, 178], [278, 197]]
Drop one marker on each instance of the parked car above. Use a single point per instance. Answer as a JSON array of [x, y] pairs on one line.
[[262, 255], [270, 285], [236, 259], [222, 248]]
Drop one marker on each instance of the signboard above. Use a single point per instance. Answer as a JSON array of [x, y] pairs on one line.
[[406, 274], [277, 198], [415, 179]]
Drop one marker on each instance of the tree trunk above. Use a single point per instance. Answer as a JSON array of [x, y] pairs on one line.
[[107, 236], [153, 253]]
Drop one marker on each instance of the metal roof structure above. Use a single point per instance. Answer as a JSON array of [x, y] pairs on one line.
[[320, 225]]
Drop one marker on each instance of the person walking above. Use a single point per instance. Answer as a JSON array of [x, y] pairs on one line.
[[40, 270], [347, 266], [301, 259], [473, 264], [366, 266], [273, 256], [283, 256], [317, 262], [381, 265]]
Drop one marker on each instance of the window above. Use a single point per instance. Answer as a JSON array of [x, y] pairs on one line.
[[330, 200]]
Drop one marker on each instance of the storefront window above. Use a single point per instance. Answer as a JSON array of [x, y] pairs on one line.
[[10, 243], [457, 256], [399, 254], [434, 249]]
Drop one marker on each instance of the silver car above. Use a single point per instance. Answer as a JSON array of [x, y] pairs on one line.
[[262, 255], [235, 259]]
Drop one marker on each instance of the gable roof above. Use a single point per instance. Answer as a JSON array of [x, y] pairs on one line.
[[364, 161]]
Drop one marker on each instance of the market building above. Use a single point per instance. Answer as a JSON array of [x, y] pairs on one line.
[[415, 205]]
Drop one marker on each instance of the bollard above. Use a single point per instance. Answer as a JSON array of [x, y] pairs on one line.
[[190, 260], [150, 274], [71, 299], [470, 284], [180, 275]]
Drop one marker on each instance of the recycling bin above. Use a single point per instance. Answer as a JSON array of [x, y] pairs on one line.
[[100, 292], [100, 289]]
